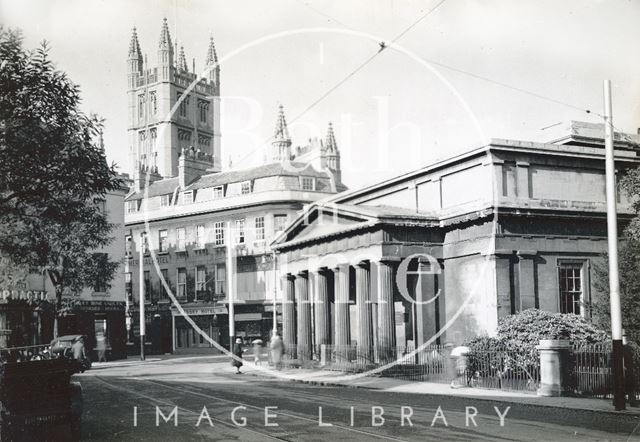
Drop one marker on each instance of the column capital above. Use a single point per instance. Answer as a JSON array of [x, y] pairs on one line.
[[389, 259], [302, 274], [340, 267]]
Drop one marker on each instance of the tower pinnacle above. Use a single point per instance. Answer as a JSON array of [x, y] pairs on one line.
[[182, 61], [330, 144], [213, 72], [165, 37], [281, 139]]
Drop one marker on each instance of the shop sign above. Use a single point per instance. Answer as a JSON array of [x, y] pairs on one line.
[[24, 294], [248, 316], [200, 311]]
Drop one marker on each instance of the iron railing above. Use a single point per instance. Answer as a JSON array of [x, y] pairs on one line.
[[502, 368], [590, 372]]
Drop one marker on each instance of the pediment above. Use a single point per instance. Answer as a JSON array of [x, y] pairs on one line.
[[322, 221]]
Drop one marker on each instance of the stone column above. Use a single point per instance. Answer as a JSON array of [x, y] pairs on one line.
[[553, 367], [304, 317], [341, 306], [322, 309], [288, 317], [386, 313], [363, 307], [425, 304]]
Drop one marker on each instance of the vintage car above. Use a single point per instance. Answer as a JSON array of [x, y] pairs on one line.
[[62, 347]]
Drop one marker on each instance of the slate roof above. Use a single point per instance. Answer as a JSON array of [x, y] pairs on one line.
[[168, 185], [266, 170]]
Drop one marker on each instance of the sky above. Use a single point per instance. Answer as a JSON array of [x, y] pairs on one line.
[[404, 109]]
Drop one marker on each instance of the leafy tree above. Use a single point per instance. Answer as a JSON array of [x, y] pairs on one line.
[[53, 173], [629, 270]]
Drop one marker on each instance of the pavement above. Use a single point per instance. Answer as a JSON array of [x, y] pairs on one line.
[[391, 385]]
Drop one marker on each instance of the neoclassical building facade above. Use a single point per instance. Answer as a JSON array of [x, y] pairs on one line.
[[440, 254]]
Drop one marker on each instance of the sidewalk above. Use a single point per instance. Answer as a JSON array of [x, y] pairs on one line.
[[347, 380]]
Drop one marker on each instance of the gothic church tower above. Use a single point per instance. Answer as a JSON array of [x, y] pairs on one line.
[[170, 109]]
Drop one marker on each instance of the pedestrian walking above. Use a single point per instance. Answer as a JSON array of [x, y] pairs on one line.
[[78, 349], [237, 352], [257, 348], [277, 348], [101, 346]]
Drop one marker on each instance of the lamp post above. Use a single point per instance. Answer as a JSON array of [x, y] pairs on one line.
[[612, 236]]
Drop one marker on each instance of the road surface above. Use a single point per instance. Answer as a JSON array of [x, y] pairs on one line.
[[202, 399]]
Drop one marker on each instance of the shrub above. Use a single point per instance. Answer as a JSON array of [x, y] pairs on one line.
[[527, 328], [519, 334]]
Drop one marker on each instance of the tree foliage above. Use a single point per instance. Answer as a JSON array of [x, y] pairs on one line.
[[54, 176]]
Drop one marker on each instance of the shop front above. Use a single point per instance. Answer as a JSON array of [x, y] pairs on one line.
[[90, 318], [211, 320]]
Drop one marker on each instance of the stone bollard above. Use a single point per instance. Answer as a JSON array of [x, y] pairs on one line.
[[554, 357]]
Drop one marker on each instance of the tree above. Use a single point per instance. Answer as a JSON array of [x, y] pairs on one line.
[[53, 173], [629, 270]]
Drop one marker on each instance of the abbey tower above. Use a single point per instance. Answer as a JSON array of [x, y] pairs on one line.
[[170, 108]]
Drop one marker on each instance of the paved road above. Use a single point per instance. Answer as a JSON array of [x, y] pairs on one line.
[[124, 403]]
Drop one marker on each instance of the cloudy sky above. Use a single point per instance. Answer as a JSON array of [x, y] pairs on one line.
[[425, 97]]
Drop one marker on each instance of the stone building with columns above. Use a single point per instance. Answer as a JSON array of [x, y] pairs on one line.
[[441, 253]]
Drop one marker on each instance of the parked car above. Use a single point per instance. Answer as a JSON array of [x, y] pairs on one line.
[[62, 347]]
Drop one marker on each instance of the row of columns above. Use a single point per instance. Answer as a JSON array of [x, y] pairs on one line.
[[297, 308]]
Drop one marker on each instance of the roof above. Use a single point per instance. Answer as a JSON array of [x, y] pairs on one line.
[[169, 185], [266, 170], [361, 217], [156, 188]]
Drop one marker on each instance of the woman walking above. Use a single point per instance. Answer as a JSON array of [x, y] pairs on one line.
[[237, 352]]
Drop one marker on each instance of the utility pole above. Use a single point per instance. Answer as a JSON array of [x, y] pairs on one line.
[[275, 294], [232, 324], [141, 297], [612, 234]]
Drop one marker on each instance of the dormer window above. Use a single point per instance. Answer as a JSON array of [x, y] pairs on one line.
[[132, 206], [245, 187], [165, 200], [218, 192], [308, 183], [187, 197]]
